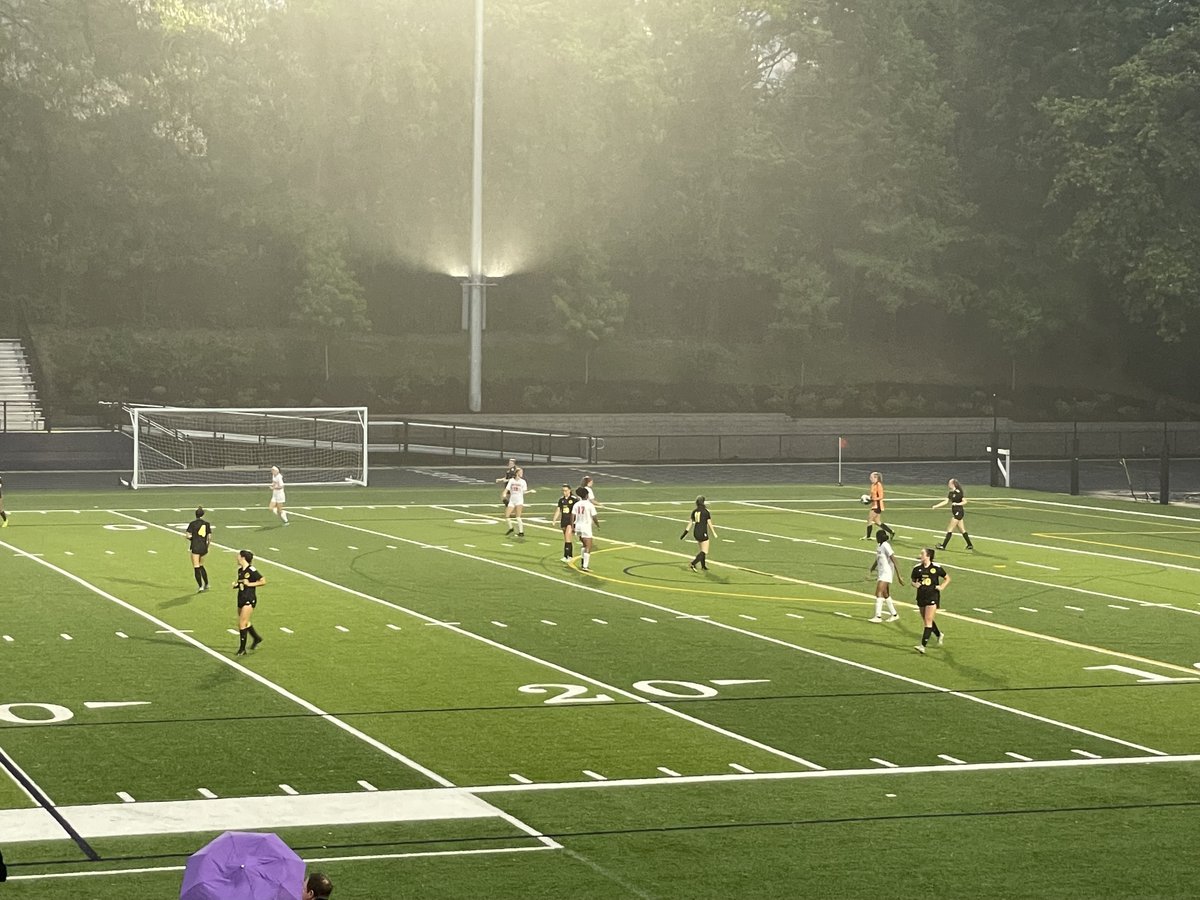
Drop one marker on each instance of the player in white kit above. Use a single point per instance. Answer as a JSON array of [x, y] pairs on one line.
[[585, 520], [515, 490], [884, 568], [278, 497]]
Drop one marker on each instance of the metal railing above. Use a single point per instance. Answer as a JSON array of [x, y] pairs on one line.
[[21, 415], [410, 437]]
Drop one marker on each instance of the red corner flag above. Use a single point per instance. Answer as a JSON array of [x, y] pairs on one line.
[[843, 443]]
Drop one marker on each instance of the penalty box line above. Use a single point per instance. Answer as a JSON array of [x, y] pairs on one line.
[[742, 631]]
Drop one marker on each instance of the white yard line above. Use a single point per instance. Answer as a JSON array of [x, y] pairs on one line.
[[715, 624], [608, 688]]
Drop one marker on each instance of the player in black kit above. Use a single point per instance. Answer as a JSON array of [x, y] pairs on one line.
[[700, 522], [199, 533], [957, 514], [930, 580], [247, 584], [3, 514], [564, 518], [509, 474]]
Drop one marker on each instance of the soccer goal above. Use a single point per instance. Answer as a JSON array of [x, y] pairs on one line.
[[178, 446]]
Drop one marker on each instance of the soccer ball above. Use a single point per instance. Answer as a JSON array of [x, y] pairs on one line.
[[865, 498]]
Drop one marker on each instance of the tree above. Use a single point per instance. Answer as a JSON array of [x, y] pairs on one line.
[[329, 300], [1129, 172], [590, 309]]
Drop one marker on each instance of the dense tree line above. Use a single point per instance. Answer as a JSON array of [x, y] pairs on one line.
[[980, 174]]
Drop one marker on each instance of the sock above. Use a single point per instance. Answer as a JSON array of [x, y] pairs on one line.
[[967, 538], [198, 575], [888, 528], [891, 607], [878, 607], [520, 525], [933, 628], [203, 574], [567, 550], [242, 641], [254, 634], [696, 559], [946, 542], [925, 636], [283, 515], [870, 528], [3, 515], [585, 557], [703, 559]]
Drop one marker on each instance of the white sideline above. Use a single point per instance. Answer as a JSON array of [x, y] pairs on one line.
[[244, 814]]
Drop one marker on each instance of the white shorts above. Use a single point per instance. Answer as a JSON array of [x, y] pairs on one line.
[[278, 497], [584, 531], [516, 499], [885, 575]]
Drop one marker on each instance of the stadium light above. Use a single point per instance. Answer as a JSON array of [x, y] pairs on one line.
[[475, 287]]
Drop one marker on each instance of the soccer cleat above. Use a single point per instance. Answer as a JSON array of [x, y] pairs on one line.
[[254, 645], [705, 568], [240, 653], [893, 617], [510, 531], [692, 566], [919, 648], [566, 560], [876, 619], [941, 639], [586, 568], [970, 546], [5, 524], [941, 546], [520, 534]]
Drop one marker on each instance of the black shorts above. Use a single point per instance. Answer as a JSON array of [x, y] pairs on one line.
[[923, 602], [957, 512], [200, 548], [700, 536], [565, 524], [252, 602]]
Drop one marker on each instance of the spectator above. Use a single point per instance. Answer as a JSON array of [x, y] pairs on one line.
[[317, 887]]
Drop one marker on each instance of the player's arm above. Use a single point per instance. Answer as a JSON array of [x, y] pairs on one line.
[[940, 505], [712, 530], [945, 581], [257, 584], [557, 515], [686, 528]]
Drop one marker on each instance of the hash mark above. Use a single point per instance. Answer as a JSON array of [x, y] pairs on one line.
[[884, 763], [1017, 756], [125, 798], [206, 793], [1076, 608], [289, 790], [599, 621], [1085, 754], [519, 778], [342, 628], [670, 772], [286, 630], [499, 624], [741, 768], [367, 786], [952, 759], [1027, 609], [594, 775]]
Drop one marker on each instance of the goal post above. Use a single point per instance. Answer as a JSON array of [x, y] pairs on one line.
[[227, 447]]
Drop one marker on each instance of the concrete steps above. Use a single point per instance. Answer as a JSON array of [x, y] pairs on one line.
[[20, 409]]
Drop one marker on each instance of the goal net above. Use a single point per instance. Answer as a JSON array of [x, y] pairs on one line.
[[177, 446]]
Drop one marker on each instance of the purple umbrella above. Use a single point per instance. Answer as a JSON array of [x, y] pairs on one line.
[[242, 865]]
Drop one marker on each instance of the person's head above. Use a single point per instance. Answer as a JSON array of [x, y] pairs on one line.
[[245, 557], [584, 493], [317, 887], [954, 485], [274, 470], [881, 536], [199, 512], [587, 481], [926, 555], [699, 501], [566, 489], [512, 462], [876, 478], [520, 472]]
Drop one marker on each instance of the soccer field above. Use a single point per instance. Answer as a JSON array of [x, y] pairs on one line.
[[440, 710]]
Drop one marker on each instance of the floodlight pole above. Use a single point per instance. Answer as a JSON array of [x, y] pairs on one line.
[[475, 302]]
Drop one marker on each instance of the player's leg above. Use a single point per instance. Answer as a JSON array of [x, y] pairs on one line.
[[585, 544], [520, 511], [508, 518], [878, 617], [887, 596], [243, 627], [568, 543], [197, 571]]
